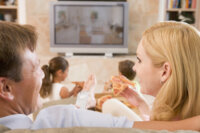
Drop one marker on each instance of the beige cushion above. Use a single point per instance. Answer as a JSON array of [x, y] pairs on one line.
[[71, 100], [92, 130], [3, 129]]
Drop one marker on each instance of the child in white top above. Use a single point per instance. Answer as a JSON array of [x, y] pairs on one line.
[[55, 73]]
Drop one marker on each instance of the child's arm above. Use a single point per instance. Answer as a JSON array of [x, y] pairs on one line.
[[64, 92], [76, 90]]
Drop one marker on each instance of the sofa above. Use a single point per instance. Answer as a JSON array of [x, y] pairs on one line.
[[89, 130], [83, 129], [71, 100]]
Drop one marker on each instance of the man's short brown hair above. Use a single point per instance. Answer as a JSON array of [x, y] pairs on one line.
[[126, 69], [14, 39]]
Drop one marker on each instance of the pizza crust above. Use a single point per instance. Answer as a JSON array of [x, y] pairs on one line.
[[102, 99]]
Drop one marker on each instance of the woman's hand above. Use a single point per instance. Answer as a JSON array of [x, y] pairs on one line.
[[129, 90], [136, 98], [132, 95]]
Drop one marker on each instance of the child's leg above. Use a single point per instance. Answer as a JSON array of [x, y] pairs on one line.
[[117, 108]]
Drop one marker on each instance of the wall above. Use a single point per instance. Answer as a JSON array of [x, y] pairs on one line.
[[142, 14], [38, 16]]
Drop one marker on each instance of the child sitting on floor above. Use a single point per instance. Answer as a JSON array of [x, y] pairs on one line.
[[55, 73]]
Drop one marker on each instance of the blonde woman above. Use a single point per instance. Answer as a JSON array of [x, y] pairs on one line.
[[168, 68], [176, 51]]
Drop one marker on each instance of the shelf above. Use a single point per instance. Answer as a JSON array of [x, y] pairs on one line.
[[189, 15], [181, 9], [16, 9], [8, 7]]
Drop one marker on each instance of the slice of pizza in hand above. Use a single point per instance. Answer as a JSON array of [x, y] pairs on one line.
[[119, 88], [118, 85], [79, 83], [126, 80]]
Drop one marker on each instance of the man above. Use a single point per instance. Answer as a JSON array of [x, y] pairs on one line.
[[20, 82]]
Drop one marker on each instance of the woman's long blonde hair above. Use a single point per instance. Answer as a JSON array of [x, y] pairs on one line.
[[179, 44]]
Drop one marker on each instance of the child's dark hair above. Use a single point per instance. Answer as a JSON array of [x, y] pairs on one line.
[[55, 64], [126, 69]]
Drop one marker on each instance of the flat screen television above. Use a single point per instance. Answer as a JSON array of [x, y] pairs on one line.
[[88, 27]]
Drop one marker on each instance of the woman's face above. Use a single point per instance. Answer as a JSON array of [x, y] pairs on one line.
[[149, 75]]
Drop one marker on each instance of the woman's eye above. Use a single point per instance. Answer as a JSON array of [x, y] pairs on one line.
[[138, 59]]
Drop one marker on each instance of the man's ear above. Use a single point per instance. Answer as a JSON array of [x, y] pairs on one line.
[[5, 89], [165, 72]]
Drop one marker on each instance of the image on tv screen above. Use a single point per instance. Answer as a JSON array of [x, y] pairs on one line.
[[85, 24]]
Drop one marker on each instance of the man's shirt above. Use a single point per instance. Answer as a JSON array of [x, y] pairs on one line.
[[62, 116]]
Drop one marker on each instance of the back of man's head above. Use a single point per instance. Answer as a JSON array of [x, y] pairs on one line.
[[126, 68], [14, 39]]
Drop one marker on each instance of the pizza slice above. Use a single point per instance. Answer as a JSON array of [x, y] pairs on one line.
[[117, 89], [120, 83], [102, 99], [127, 81], [79, 83]]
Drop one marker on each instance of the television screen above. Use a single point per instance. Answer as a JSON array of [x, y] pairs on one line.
[[89, 24]]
